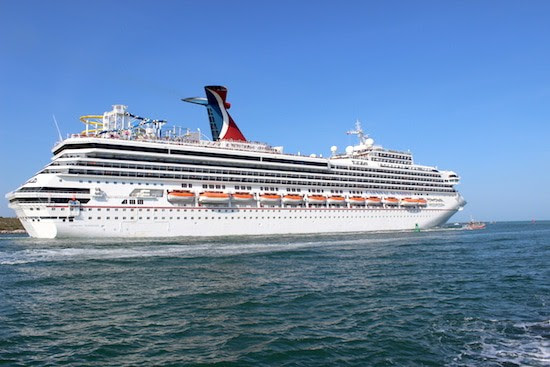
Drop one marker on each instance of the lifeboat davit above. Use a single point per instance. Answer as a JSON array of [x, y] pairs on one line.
[[317, 199], [270, 198], [391, 201], [374, 200], [213, 197], [336, 200], [181, 196], [356, 200], [241, 197], [293, 199], [409, 202]]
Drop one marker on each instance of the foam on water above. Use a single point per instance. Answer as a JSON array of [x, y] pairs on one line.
[[101, 249], [506, 344]]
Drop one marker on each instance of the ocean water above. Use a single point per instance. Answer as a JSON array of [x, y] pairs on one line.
[[443, 297]]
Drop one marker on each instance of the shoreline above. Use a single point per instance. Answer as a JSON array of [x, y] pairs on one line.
[[11, 226], [14, 231]]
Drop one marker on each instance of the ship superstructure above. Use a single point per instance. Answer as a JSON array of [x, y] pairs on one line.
[[130, 176]]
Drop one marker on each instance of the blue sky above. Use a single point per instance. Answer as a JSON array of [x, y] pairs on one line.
[[465, 85]]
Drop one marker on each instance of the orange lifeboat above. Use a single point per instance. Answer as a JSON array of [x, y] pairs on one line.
[[374, 200], [422, 202], [242, 197], [317, 199], [291, 199], [213, 197], [356, 200], [391, 201], [181, 196], [270, 198], [336, 200], [409, 202]]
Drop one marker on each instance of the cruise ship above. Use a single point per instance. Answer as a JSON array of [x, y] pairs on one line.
[[125, 175]]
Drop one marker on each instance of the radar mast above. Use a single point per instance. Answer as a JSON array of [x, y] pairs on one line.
[[359, 132]]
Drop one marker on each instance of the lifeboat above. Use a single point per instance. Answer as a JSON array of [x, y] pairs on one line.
[[409, 202], [241, 197], [213, 197], [374, 200], [181, 196], [391, 201], [317, 199], [356, 200], [270, 198], [422, 202], [293, 199], [336, 200]]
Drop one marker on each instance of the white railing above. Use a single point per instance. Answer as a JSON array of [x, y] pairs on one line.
[[222, 144]]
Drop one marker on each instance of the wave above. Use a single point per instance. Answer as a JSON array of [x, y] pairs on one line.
[[508, 344]]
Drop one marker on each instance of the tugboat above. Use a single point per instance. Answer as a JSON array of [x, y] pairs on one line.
[[473, 225]]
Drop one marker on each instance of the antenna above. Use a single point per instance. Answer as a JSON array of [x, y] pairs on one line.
[[57, 126], [358, 131], [363, 138]]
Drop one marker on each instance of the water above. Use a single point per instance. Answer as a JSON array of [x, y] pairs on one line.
[[434, 298]]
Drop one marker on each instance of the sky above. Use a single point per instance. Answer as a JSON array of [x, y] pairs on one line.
[[463, 85]]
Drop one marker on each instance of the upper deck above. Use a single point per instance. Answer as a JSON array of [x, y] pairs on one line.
[[120, 125]]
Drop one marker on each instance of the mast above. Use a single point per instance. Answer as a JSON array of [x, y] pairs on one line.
[[359, 132]]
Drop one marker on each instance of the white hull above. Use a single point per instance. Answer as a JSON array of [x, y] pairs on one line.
[[115, 215], [237, 221], [243, 222]]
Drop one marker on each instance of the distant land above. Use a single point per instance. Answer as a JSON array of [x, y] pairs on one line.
[[11, 225]]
